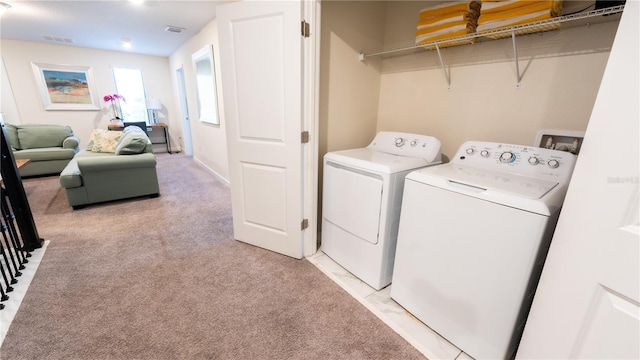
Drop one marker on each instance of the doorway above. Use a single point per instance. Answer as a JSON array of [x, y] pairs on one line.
[[184, 110]]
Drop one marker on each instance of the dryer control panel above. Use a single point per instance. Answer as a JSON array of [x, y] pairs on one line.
[[523, 160], [405, 144]]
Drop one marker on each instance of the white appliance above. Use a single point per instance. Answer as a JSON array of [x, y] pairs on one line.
[[472, 240], [362, 194]]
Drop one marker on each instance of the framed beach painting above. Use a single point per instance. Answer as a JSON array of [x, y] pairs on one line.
[[66, 87]]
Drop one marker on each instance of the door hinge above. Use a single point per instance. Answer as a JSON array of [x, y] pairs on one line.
[[304, 137], [304, 224], [304, 27]]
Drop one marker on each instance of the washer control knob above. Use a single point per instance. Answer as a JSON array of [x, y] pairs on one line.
[[399, 142], [470, 151], [413, 143], [553, 163], [534, 160], [507, 157], [484, 153]]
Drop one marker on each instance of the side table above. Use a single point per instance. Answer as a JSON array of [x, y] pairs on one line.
[[163, 126], [19, 163]]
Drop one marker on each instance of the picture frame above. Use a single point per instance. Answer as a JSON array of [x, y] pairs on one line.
[[207, 94], [66, 87]]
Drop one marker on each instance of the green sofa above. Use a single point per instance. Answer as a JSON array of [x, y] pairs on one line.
[[49, 147], [97, 175]]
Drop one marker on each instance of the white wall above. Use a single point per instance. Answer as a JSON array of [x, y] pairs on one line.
[[561, 72], [159, 74], [349, 89], [209, 141], [18, 56], [8, 107]]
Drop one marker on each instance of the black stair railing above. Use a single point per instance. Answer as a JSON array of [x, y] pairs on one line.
[[19, 234]]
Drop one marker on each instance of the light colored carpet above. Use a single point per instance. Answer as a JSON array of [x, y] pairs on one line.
[[163, 278]]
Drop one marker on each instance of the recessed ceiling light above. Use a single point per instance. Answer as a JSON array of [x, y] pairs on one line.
[[4, 7], [137, 2], [126, 43]]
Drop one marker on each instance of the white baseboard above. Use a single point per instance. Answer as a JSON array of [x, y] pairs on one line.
[[212, 172]]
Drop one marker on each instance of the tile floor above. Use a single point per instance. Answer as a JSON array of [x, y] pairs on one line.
[[427, 341]]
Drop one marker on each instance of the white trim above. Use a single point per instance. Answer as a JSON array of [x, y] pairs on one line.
[[183, 102], [212, 172], [311, 91], [206, 54]]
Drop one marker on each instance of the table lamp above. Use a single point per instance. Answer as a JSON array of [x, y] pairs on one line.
[[154, 105]]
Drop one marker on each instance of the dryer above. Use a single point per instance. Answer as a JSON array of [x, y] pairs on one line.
[[362, 194], [473, 237]]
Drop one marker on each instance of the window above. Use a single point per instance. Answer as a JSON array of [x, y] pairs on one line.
[[130, 85], [206, 85]]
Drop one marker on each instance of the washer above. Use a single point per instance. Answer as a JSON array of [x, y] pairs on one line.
[[362, 194], [472, 240]]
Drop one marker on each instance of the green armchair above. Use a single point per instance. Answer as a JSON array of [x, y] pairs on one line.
[[48, 147]]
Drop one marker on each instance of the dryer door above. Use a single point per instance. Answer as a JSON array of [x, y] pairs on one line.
[[352, 200]]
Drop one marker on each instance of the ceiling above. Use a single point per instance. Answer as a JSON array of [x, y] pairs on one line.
[[103, 24]]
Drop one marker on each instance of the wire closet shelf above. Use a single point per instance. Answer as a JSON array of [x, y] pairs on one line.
[[522, 29]]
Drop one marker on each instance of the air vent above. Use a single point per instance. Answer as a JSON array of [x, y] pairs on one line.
[[174, 29], [58, 39]]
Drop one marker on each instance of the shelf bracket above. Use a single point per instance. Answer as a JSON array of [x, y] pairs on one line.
[[444, 69], [515, 54]]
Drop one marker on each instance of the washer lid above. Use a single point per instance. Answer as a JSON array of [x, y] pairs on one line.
[[513, 184], [517, 191], [372, 160]]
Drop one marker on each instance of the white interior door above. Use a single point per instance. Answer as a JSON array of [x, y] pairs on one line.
[[588, 299], [261, 64]]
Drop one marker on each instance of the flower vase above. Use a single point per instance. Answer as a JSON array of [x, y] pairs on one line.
[[114, 99], [116, 110], [116, 122]]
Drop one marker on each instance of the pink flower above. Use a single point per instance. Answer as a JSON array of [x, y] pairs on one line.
[[113, 98], [115, 103]]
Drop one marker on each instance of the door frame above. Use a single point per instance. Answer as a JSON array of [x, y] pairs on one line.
[[184, 111], [311, 92]]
